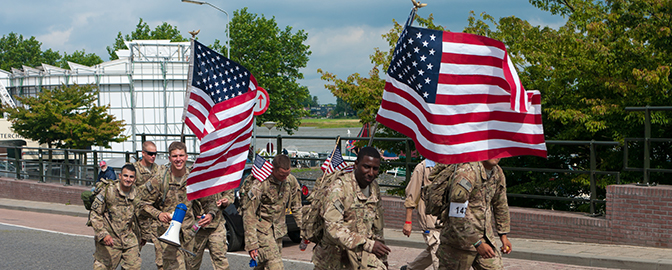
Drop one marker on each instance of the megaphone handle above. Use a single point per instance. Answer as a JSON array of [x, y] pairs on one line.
[[187, 251]]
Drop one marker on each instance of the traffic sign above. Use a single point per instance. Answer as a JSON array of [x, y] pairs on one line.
[[262, 99]]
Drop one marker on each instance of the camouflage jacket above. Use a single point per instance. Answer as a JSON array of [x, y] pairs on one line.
[[351, 219], [474, 200], [218, 217], [113, 213], [163, 192], [142, 173], [264, 210]]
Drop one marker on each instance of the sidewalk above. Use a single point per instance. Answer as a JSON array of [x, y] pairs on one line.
[[575, 253]]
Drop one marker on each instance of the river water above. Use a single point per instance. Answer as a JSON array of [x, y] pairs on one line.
[[308, 145]]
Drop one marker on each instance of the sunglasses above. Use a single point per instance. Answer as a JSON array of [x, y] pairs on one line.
[[150, 153]]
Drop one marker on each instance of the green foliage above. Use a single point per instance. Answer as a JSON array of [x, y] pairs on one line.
[[274, 56], [15, 51], [80, 57], [143, 32], [343, 109], [66, 117], [310, 101]]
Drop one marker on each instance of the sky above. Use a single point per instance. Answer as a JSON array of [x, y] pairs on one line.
[[342, 34]]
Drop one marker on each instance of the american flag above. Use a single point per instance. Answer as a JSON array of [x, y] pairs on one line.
[[459, 98], [262, 168], [334, 163], [219, 112]]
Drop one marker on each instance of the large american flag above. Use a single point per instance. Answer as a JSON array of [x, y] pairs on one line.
[[262, 168], [334, 163], [219, 112], [459, 98]]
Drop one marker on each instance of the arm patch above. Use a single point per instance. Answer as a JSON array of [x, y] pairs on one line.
[[339, 206], [466, 184], [149, 186]]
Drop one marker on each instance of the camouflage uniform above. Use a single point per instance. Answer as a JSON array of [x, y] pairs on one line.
[[213, 237], [264, 217], [113, 213], [478, 198], [162, 193], [420, 178], [142, 174], [353, 222]]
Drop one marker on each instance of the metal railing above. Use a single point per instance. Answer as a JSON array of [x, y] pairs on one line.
[[70, 166]]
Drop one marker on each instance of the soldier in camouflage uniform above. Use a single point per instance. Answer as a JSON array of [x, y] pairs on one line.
[[477, 194], [113, 220], [353, 217], [420, 178], [145, 168], [264, 213], [213, 236], [162, 193]]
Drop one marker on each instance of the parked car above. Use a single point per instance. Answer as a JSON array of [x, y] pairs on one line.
[[235, 231]]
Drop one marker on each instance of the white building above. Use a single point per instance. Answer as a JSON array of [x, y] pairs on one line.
[[145, 87]]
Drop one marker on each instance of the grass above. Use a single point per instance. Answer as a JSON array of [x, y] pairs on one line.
[[331, 123]]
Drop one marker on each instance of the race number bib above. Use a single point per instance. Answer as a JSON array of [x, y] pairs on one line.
[[458, 209]]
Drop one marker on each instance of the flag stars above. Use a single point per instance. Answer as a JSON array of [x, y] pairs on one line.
[[416, 50], [428, 81], [425, 94], [430, 66], [423, 58], [421, 72], [432, 37], [431, 52], [410, 41], [418, 35], [425, 44]]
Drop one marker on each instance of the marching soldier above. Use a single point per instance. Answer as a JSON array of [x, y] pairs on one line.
[[113, 221], [353, 217], [264, 213], [477, 194]]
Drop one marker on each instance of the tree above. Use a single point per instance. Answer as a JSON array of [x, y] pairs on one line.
[[310, 101], [66, 117], [80, 57], [15, 51], [343, 109], [274, 56], [143, 32]]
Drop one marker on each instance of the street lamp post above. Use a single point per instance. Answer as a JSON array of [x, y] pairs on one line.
[[228, 48]]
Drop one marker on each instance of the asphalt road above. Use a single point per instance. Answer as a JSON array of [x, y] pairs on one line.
[[30, 240]]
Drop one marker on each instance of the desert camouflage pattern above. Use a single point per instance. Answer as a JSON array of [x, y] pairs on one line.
[[113, 213], [142, 174], [213, 236], [162, 193], [459, 259], [486, 198], [264, 217], [353, 222]]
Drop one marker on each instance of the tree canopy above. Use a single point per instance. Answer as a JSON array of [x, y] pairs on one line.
[[16, 51], [274, 56], [66, 117], [143, 32], [80, 57]]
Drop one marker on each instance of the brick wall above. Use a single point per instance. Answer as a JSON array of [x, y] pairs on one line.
[[641, 215], [43, 192], [636, 215]]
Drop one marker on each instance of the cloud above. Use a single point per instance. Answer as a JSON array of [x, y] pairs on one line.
[[55, 38]]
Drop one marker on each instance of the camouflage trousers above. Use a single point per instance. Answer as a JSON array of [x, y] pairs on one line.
[[427, 257], [107, 257], [215, 240], [152, 234], [270, 252], [327, 257], [459, 259]]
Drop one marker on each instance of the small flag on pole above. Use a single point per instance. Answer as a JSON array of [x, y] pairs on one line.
[[262, 168], [334, 163]]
